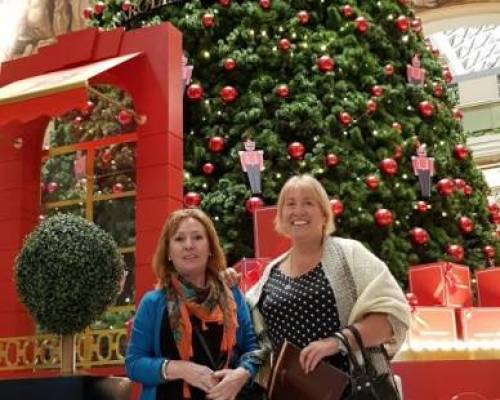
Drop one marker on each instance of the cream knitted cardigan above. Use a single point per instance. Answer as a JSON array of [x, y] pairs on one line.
[[369, 287]]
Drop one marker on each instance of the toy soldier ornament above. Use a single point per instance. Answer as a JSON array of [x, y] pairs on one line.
[[423, 167], [252, 162], [415, 74]]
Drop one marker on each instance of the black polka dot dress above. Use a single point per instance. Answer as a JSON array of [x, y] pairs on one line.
[[301, 310]]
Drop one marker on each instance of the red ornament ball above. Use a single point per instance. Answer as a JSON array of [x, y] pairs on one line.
[[345, 118], [337, 207], [437, 89], [124, 117], [194, 92], [416, 25], [465, 225], [208, 168], [77, 121], [99, 8], [192, 200], [389, 70], [52, 187], [488, 251], [216, 144], [389, 166], [253, 203], [361, 24], [372, 182], [303, 17], [457, 113], [347, 11], [331, 160], [459, 184], [383, 217], [402, 23], [88, 108], [228, 94], [87, 12], [126, 6], [460, 151], [495, 218], [225, 3], [422, 206], [398, 152], [282, 91], [106, 156], [426, 109], [284, 44], [229, 64], [468, 190], [265, 4], [456, 252], [296, 150], [208, 20], [411, 299], [493, 208], [419, 236], [371, 106], [377, 90], [445, 187], [117, 188], [447, 76], [325, 63]]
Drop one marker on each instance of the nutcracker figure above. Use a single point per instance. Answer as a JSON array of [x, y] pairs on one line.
[[423, 167], [252, 162], [415, 74], [187, 72]]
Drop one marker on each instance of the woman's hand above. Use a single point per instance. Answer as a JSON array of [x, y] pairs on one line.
[[314, 352], [230, 277], [193, 374], [231, 382]]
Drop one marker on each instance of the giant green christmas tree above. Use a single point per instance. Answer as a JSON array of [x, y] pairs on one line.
[[322, 87]]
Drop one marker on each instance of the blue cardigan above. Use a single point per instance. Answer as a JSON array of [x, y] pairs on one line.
[[143, 359]]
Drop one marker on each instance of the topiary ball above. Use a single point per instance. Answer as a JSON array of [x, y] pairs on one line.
[[67, 273]]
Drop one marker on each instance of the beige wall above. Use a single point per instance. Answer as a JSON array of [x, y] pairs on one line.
[[478, 90]]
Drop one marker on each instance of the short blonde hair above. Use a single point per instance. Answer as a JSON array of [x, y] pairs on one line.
[[310, 185], [162, 266]]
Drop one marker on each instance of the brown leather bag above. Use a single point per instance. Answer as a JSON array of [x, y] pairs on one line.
[[288, 380]]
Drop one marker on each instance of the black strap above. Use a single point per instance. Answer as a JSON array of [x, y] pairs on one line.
[[215, 366]]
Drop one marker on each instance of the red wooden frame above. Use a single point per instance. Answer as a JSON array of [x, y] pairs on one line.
[[154, 81]]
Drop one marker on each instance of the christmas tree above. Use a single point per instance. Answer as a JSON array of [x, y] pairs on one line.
[[348, 91]]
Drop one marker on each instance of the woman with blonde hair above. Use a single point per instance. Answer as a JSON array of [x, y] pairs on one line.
[[324, 284], [192, 337]]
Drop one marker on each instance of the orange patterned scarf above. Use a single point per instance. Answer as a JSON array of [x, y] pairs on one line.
[[218, 307]]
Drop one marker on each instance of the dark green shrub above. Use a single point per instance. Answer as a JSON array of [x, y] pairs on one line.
[[68, 273]]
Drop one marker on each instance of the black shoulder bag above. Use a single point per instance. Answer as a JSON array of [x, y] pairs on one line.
[[366, 382]]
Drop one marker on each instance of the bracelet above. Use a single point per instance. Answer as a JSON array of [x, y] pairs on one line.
[[164, 366], [340, 345]]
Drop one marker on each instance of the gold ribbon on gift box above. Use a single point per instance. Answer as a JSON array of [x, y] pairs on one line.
[[420, 322], [451, 280]]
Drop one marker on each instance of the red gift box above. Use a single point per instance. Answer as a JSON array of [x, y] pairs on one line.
[[441, 283], [480, 323], [251, 270], [432, 324], [267, 242], [488, 287]]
